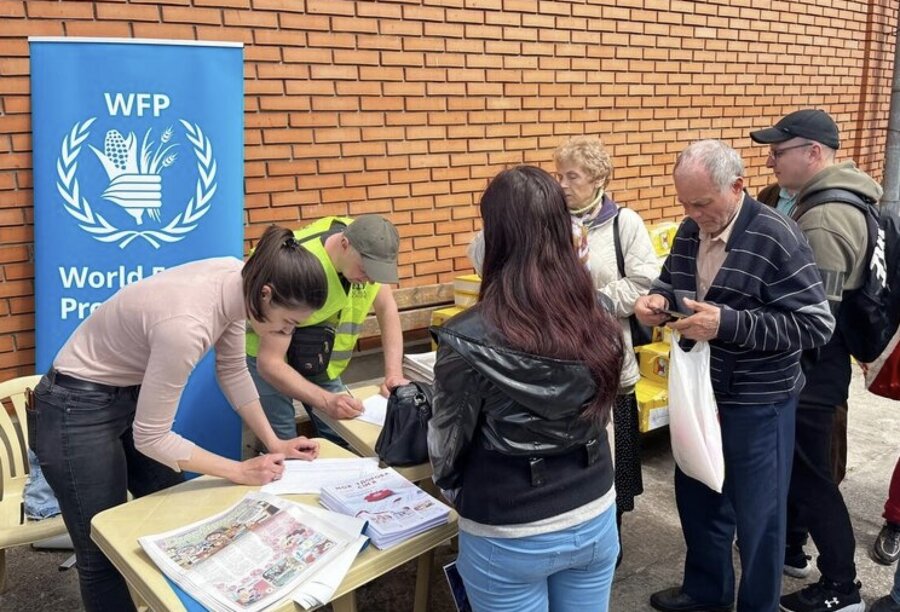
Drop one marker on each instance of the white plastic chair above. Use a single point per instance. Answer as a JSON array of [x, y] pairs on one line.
[[15, 528]]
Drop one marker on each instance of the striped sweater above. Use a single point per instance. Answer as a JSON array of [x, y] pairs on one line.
[[772, 304]]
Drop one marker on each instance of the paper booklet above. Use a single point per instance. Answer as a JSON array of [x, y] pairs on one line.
[[374, 410], [310, 476], [261, 550], [395, 508]]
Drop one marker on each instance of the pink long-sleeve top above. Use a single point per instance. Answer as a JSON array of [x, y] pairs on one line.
[[153, 333]]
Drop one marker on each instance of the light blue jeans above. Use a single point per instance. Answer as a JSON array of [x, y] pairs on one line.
[[564, 571], [279, 408], [895, 593], [39, 500]]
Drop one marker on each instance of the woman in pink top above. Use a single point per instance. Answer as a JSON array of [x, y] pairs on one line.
[[102, 416]]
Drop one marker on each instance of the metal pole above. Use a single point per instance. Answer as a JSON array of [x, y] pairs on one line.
[[892, 149]]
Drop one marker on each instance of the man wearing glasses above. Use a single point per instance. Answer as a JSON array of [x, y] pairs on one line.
[[802, 150]]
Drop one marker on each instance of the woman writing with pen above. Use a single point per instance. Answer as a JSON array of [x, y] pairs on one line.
[[102, 416]]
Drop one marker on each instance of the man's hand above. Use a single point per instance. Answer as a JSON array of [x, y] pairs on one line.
[[260, 470], [390, 383], [647, 309], [297, 448], [701, 326], [341, 406]]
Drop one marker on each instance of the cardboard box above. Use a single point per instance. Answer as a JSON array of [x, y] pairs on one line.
[[464, 300], [662, 235], [653, 405], [467, 283], [662, 334], [440, 316], [654, 361]]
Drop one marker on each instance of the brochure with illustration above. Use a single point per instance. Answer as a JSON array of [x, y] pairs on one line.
[[257, 552], [394, 507]]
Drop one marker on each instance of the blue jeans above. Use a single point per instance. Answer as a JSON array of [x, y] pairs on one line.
[[564, 571], [38, 498], [895, 592], [758, 445], [279, 408], [85, 445]]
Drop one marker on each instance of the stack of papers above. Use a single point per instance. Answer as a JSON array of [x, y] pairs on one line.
[[310, 476], [258, 552], [419, 367], [395, 508]]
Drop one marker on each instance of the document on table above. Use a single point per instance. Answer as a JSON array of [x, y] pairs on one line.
[[374, 410], [310, 476]]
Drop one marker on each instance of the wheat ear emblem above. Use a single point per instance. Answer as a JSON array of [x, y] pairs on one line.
[[135, 182]]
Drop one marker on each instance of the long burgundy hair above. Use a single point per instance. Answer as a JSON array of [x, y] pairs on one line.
[[534, 288]]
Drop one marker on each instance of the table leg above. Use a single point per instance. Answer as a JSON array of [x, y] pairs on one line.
[[345, 603], [424, 564]]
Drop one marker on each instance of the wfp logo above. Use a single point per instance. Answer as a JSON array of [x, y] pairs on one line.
[[135, 169]]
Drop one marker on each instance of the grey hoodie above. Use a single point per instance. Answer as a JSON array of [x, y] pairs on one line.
[[837, 232]]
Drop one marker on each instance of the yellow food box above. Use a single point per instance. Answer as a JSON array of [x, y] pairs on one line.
[[653, 405], [654, 361], [662, 334], [662, 235], [464, 300], [440, 316], [467, 283]]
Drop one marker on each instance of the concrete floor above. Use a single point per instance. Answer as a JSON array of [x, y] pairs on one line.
[[654, 549]]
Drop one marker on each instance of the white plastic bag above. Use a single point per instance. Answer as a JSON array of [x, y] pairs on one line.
[[693, 416]]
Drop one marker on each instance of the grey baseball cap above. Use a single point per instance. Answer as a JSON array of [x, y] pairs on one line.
[[377, 241]]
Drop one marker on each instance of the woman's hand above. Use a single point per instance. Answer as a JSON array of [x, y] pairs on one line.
[[297, 448], [260, 470]]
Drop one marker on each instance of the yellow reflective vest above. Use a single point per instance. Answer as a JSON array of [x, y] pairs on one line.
[[344, 310]]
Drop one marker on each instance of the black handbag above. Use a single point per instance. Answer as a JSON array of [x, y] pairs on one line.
[[310, 349], [403, 440], [640, 334]]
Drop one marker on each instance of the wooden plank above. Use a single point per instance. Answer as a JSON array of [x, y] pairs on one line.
[[409, 320], [409, 298]]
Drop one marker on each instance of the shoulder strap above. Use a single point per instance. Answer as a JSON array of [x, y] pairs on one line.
[[842, 196], [617, 242], [330, 230]]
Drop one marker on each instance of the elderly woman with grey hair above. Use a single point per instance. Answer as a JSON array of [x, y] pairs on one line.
[[601, 228]]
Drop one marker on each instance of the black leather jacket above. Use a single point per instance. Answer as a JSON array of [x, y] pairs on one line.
[[512, 421]]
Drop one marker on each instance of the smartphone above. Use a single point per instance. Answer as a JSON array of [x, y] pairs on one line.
[[672, 313]]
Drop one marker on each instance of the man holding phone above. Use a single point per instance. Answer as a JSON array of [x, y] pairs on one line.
[[741, 277]]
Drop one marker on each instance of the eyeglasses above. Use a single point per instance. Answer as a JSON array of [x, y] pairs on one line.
[[777, 153]]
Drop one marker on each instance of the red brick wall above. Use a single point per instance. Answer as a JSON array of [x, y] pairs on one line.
[[407, 107]]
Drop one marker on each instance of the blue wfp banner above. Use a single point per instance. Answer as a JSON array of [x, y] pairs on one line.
[[138, 167]]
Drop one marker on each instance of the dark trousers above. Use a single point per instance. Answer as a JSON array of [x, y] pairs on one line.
[[797, 532], [892, 505], [815, 499], [86, 449], [758, 444]]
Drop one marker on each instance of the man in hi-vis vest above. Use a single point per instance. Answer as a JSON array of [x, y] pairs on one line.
[[357, 256]]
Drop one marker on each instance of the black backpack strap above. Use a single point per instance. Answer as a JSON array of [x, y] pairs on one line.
[[827, 196], [330, 230], [617, 242]]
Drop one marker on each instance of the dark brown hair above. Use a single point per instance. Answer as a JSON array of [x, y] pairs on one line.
[[294, 275], [534, 288]]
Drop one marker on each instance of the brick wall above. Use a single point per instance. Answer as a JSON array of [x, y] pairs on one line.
[[407, 107]]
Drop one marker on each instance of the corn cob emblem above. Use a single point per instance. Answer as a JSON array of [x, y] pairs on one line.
[[135, 182]]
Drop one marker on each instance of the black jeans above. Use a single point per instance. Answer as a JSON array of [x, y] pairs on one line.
[[814, 499], [85, 445]]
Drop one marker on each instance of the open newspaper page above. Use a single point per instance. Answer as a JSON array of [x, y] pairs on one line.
[[250, 556], [395, 508]]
